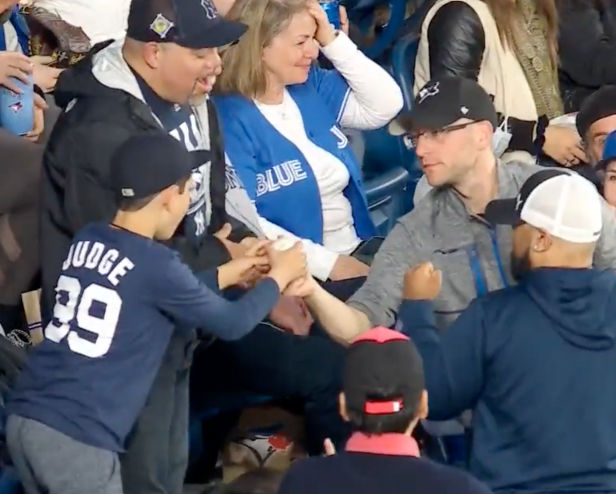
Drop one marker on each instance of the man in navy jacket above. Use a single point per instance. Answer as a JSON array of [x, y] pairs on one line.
[[535, 362]]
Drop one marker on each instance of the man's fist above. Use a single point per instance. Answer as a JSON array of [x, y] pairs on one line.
[[422, 282]]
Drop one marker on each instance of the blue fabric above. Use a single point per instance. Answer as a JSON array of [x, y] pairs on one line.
[[23, 33], [119, 298], [532, 362], [274, 171]]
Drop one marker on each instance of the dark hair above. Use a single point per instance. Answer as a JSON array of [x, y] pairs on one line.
[[395, 423], [259, 481], [131, 205]]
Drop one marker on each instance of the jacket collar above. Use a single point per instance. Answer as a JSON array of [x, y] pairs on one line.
[[383, 444]]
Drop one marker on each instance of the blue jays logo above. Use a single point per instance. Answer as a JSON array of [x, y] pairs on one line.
[[16, 107]]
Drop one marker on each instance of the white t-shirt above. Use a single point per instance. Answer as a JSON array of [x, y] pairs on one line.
[[331, 174], [101, 20]]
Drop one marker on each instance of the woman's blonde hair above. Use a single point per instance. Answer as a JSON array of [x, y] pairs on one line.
[[243, 70], [505, 14]]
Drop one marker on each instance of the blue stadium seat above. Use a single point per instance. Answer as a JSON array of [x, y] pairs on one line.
[[361, 13], [403, 65]]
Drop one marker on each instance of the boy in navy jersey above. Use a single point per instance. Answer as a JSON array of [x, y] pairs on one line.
[[119, 297], [383, 397]]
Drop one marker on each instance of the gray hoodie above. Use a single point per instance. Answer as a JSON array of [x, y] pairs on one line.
[[474, 258], [111, 70]]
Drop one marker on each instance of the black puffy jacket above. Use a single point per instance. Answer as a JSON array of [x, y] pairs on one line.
[[587, 48], [457, 43]]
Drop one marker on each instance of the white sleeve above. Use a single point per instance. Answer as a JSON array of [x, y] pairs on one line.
[[320, 260], [375, 97]]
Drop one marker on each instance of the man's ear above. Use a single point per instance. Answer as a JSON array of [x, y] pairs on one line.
[[342, 407], [422, 409]]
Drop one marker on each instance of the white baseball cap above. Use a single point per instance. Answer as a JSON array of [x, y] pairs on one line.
[[559, 202]]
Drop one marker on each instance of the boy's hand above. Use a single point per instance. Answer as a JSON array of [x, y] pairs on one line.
[[422, 283], [240, 270]]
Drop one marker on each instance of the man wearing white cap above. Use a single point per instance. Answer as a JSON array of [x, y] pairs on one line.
[[535, 362]]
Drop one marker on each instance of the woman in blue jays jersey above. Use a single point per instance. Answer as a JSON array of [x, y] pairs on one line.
[[120, 296], [282, 118]]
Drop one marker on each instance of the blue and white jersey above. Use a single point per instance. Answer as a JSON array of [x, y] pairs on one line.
[[276, 174], [118, 299]]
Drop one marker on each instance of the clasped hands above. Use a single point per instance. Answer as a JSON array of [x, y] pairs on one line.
[[251, 261]]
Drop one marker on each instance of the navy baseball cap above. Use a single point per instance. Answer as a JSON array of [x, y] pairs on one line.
[[609, 152], [383, 374], [192, 24], [147, 164]]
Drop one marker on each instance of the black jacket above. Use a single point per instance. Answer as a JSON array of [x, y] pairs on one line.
[[75, 189], [587, 48], [457, 43]]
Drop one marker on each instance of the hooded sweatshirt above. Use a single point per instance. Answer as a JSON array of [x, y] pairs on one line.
[[103, 106], [537, 365]]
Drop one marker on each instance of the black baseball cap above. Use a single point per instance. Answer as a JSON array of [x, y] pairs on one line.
[[383, 374], [148, 163], [600, 104], [189, 23], [441, 102]]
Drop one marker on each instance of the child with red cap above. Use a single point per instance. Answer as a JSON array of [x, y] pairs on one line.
[[384, 398]]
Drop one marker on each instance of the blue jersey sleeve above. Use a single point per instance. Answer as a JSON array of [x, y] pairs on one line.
[[185, 299], [332, 87]]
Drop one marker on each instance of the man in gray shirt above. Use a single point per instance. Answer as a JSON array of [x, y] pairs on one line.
[[452, 126]]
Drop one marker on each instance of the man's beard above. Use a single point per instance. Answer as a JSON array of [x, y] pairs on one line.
[[520, 266]]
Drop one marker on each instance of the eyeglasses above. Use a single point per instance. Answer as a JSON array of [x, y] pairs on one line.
[[437, 135]]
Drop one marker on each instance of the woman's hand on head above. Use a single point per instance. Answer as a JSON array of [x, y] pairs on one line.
[[325, 33]]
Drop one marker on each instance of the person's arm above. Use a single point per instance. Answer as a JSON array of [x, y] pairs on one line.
[[457, 42], [190, 302], [342, 322], [585, 48], [605, 252], [376, 302], [360, 92], [453, 361]]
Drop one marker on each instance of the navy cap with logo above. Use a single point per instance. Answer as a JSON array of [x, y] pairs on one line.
[[559, 202], [192, 24], [609, 152], [383, 374], [443, 101], [147, 164]]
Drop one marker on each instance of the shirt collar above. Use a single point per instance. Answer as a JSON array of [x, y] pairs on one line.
[[383, 444]]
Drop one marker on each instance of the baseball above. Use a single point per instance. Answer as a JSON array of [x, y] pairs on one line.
[[284, 243]]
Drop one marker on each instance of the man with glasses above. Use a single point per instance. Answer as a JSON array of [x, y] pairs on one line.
[[452, 125]]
